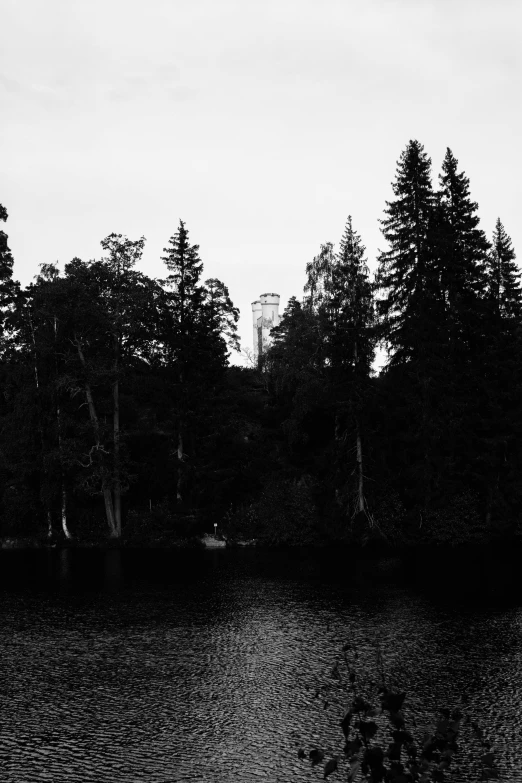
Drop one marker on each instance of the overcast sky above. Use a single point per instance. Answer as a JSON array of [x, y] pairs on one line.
[[261, 123]]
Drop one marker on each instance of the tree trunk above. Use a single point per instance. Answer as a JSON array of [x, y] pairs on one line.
[[181, 455], [180, 463], [116, 421], [63, 492], [64, 512], [117, 479], [360, 477], [43, 499], [358, 441], [107, 496]]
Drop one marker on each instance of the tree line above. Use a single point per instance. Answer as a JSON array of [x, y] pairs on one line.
[[433, 443], [118, 400], [107, 378]]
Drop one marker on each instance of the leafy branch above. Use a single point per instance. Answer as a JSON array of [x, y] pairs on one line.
[[378, 753]]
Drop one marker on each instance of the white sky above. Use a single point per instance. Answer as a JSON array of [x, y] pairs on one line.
[[261, 123]]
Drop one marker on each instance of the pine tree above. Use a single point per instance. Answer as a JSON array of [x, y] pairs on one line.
[[504, 287], [185, 300], [501, 414], [9, 289], [196, 353], [410, 312], [295, 356], [186, 294], [221, 314], [350, 315], [462, 274], [405, 275], [462, 267], [6, 261], [351, 308]]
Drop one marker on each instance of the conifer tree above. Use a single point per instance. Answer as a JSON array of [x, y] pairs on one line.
[[501, 414], [350, 318], [461, 265], [294, 357], [462, 274], [220, 311], [351, 307], [185, 291], [410, 310], [405, 276], [195, 350], [504, 287], [295, 367], [8, 287], [185, 299]]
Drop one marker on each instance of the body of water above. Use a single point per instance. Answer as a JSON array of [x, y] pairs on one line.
[[126, 666]]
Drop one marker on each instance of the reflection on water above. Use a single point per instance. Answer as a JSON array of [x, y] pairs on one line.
[[187, 666]]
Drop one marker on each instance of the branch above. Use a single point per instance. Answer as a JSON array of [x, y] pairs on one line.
[[96, 447]]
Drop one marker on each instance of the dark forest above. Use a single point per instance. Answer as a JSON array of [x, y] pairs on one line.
[[121, 417]]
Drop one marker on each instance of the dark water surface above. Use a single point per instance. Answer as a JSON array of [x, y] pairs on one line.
[[204, 666]]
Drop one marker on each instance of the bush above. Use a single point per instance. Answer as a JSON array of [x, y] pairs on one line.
[[283, 514], [403, 757], [161, 526], [459, 521]]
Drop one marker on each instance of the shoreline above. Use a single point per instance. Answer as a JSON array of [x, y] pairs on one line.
[[209, 542]]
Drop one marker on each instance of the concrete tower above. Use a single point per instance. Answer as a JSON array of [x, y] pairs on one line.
[[270, 308], [265, 314]]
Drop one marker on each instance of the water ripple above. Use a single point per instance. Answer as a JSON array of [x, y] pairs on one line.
[[222, 677]]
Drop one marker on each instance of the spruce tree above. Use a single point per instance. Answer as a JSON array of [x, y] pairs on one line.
[[8, 287], [351, 308], [501, 414], [462, 274], [410, 312], [220, 312], [6, 261], [504, 287], [196, 353], [185, 291], [405, 276], [350, 316]]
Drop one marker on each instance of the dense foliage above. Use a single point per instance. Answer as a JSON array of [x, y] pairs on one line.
[[389, 745], [121, 416]]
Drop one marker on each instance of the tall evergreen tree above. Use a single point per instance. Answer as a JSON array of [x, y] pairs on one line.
[[9, 289], [351, 348], [462, 274], [410, 310], [462, 269], [501, 414], [405, 275], [221, 314], [504, 287], [185, 291], [195, 351]]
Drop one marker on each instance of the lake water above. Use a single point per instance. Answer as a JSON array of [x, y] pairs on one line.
[[205, 665]]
